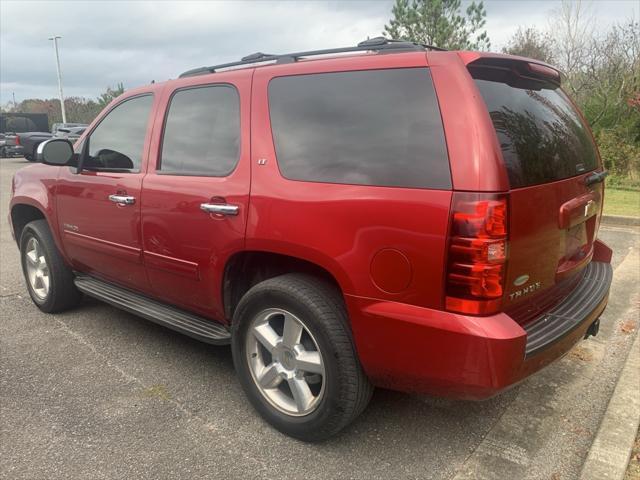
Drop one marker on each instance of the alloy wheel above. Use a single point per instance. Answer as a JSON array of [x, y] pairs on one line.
[[285, 362], [37, 269]]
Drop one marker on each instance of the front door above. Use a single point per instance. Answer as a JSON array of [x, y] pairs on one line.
[[196, 195], [99, 208]]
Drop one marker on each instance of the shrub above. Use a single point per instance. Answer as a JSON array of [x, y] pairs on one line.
[[620, 157]]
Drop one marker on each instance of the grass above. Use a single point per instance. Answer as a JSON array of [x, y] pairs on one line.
[[633, 470], [622, 202]]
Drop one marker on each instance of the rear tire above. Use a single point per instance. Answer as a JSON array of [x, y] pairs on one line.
[[318, 386], [49, 280]]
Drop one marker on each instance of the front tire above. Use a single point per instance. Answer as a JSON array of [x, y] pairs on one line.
[[295, 358], [49, 280]]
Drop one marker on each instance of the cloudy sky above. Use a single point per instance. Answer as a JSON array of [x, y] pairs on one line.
[[135, 42]]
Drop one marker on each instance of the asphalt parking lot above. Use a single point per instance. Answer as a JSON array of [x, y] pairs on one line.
[[99, 393]]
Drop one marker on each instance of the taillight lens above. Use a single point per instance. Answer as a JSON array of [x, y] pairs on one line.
[[18, 140], [478, 251]]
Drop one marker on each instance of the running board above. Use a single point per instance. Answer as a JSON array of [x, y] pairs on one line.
[[187, 323]]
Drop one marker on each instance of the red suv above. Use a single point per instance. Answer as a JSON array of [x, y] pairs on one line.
[[388, 214]]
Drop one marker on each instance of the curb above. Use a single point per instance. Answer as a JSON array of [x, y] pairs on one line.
[[611, 449], [620, 220]]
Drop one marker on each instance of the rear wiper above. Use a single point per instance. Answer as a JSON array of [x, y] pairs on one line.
[[596, 177]]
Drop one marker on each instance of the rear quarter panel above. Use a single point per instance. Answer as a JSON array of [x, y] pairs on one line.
[[474, 152]]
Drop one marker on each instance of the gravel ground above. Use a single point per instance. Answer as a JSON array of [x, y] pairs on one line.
[[97, 393]]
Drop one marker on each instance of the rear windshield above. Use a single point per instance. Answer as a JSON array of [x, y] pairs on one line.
[[541, 135], [373, 127]]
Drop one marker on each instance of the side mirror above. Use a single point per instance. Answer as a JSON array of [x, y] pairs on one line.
[[55, 151]]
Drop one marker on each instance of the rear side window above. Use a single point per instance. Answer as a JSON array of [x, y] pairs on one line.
[[374, 127], [541, 135], [202, 132]]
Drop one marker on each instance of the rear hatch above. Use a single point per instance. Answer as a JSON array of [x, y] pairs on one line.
[[556, 189]]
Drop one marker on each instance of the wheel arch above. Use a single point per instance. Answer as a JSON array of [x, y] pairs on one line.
[[245, 269], [22, 214], [27, 209]]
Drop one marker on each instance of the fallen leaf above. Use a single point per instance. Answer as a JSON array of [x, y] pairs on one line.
[[581, 353], [628, 326]]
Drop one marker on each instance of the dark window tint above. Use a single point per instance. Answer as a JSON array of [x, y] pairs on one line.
[[117, 142], [541, 135], [202, 132], [16, 124], [376, 127]]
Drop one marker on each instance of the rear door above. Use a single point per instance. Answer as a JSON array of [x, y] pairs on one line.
[[555, 194], [196, 194]]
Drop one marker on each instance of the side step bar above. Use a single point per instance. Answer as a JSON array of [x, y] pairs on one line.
[[187, 323]]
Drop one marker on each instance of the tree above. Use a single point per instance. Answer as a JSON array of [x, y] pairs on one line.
[[440, 23], [609, 79], [573, 28], [532, 43], [79, 110], [601, 73], [111, 93]]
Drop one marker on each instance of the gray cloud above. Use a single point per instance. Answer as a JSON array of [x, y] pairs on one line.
[[135, 42]]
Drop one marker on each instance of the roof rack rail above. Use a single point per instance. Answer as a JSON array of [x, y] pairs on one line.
[[256, 57], [377, 44]]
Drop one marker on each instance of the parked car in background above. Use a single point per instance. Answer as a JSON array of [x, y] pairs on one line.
[[400, 216], [9, 146], [56, 126], [15, 123], [71, 133], [30, 142]]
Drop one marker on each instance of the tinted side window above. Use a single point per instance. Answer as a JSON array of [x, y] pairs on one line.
[[17, 124], [117, 142], [202, 132], [375, 127]]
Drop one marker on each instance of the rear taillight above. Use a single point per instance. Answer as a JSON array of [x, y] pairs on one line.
[[18, 140], [478, 251]]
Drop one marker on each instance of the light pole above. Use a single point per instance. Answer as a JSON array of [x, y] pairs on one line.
[[55, 48]]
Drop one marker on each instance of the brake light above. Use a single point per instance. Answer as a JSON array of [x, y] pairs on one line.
[[478, 251], [18, 140], [544, 71]]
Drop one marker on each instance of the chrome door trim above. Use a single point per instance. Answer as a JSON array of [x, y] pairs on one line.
[[220, 208], [122, 199]]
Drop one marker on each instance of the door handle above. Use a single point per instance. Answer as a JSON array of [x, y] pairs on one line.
[[219, 208], [122, 199]]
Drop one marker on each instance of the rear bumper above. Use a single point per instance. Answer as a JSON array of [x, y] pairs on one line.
[[415, 349]]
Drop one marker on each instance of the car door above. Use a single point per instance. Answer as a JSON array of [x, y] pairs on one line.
[[99, 207], [196, 194]]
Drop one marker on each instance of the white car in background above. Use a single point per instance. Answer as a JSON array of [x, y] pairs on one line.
[[57, 126], [71, 133]]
